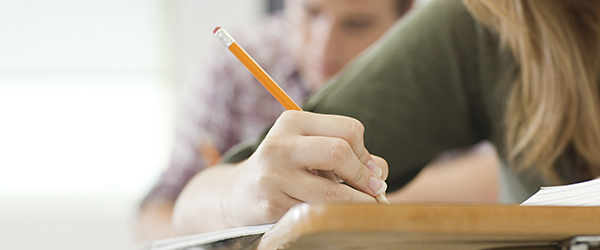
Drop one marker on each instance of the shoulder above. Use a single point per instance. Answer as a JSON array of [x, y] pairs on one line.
[[443, 13], [437, 25]]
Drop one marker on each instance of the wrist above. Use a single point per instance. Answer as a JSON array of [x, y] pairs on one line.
[[226, 203]]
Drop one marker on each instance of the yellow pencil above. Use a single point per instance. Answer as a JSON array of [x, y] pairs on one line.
[[264, 78]]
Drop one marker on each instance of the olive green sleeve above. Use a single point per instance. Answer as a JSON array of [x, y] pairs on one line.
[[412, 89]]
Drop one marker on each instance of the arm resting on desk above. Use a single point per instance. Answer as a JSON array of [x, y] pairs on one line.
[[471, 178]]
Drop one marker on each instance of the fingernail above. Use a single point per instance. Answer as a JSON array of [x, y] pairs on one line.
[[377, 185], [376, 169]]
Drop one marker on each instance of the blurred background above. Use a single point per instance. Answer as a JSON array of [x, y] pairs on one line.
[[88, 100]]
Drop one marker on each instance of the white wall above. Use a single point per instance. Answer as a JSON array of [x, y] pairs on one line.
[[86, 110], [67, 36]]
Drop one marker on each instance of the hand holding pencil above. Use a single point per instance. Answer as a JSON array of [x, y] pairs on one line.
[[300, 160], [336, 136]]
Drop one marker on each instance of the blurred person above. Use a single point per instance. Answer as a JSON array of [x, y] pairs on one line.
[[523, 74], [301, 48]]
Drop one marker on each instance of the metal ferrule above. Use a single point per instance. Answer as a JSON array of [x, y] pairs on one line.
[[224, 37]]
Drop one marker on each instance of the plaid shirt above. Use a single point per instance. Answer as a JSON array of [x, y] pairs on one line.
[[226, 105]]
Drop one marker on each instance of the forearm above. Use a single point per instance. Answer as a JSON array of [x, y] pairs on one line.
[[200, 206], [468, 178]]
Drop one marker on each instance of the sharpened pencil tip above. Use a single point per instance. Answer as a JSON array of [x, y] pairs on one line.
[[381, 199]]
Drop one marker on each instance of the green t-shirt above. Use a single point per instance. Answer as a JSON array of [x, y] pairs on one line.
[[437, 80]]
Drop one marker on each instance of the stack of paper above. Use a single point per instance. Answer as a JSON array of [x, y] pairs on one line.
[[579, 194]]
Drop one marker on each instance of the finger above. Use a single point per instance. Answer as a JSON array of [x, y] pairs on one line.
[[367, 160], [328, 175], [336, 155], [346, 128], [317, 189], [311, 124], [375, 163], [382, 163]]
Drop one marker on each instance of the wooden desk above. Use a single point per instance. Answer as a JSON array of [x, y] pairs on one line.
[[429, 226]]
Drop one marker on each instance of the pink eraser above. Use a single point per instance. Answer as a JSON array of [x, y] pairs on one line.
[[216, 29]]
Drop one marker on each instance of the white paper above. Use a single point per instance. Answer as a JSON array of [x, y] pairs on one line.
[[579, 194], [208, 238]]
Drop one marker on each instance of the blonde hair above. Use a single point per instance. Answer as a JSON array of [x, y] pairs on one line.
[[553, 113]]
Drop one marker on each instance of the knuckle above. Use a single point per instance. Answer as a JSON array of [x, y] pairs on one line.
[[336, 194], [271, 210], [270, 144], [357, 176], [266, 177], [356, 131], [287, 117], [262, 179], [339, 150], [273, 146]]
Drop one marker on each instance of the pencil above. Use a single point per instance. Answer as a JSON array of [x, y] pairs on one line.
[[264, 78], [256, 70]]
